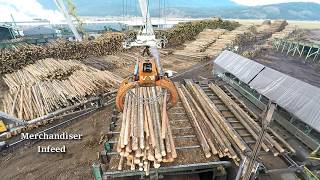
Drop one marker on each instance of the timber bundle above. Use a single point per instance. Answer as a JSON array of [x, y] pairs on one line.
[[49, 85], [145, 137], [16, 58], [214, 132]]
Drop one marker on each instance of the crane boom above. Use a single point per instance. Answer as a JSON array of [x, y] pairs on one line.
[[61, 6], [146, 36]]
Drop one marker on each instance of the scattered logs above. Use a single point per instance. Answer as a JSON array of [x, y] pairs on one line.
[[145, 137]]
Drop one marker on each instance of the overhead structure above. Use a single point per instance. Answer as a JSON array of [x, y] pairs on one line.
[[145, 36], [61, 6], [297, 97]]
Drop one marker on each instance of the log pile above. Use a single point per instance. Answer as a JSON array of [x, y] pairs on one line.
[[145, 137], [195, 48], [285, 33], [49, 85], [187, 31], [13, 59], [240, 36], [214, 132], [269, 32], [266, 30]]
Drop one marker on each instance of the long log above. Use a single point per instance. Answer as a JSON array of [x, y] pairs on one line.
[[192, 116]]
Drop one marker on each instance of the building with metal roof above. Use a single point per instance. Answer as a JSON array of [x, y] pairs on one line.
[[295, 96]]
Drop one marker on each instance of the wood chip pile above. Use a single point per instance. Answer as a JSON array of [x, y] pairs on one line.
[[49, 84], [145, 137], [15, 58], [214, 132]]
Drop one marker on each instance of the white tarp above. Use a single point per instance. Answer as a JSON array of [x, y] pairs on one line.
[[241, 67], [297, 97]]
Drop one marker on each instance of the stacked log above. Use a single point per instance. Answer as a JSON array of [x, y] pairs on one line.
[[187, 31], [145, 137], [12, 59], [195, 48], [16, 58], [266, 30], [238, 37], [50, 84], [285, 33]]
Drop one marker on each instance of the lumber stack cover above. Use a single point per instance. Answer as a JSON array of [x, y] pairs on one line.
[[145, 137], [51, 84]]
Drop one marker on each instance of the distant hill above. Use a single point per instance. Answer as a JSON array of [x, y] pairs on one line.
[[290, 11], [197, 8]]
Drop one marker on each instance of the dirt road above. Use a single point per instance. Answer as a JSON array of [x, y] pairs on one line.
[[27, 163]]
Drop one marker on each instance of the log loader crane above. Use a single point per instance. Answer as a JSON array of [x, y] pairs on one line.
[[148, 71]]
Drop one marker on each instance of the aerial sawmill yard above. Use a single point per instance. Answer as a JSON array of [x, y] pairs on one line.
[[159, 90]]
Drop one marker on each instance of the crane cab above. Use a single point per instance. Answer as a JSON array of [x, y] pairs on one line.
[[147, 73]]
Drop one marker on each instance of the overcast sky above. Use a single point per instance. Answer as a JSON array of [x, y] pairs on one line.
[[30, 9]]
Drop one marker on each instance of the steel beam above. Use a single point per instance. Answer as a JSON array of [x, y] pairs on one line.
[[178, 169]]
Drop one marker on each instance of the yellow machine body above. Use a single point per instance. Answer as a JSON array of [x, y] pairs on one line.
[[3, 127], [147, 76]]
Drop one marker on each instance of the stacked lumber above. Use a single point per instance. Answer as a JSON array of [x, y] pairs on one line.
[[145, 137], [215, 134], [49, 85], [195, 48], [16, 58]]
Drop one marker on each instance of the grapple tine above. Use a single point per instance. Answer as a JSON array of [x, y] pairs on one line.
[[167, 83]]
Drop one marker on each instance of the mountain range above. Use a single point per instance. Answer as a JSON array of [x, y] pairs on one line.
[[196, 8]]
